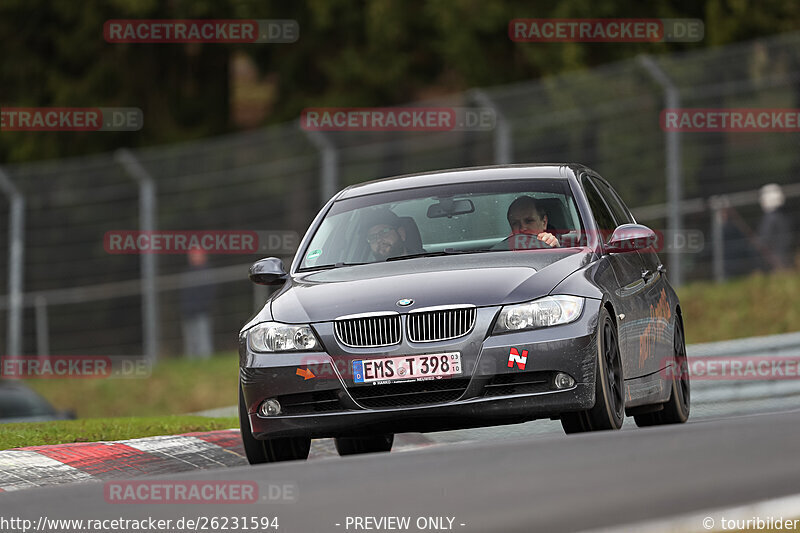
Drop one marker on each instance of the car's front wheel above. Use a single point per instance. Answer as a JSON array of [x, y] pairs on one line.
[[368, 444], [609, 405], [270, 450]]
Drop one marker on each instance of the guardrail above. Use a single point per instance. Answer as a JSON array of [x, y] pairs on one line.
[[745, 390]]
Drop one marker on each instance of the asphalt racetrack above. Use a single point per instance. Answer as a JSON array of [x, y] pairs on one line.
[[550, 483]]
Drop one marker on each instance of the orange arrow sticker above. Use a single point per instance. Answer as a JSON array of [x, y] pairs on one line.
[[305, 373]]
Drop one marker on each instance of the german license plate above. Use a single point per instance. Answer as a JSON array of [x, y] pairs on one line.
[[407, 367]]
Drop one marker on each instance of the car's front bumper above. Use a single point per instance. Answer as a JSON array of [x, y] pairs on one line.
[[489, 392]]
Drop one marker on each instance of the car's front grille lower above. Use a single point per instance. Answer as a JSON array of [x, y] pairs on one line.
[[410, 394], [522, 383], [440, 324], [369, 331], [306, 403]]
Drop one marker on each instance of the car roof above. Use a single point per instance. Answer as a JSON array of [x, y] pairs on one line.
[[11, 384], [463, 175]]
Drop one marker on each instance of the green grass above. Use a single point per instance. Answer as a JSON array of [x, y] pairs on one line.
[[176, 386], [755, 305], [97, 429]]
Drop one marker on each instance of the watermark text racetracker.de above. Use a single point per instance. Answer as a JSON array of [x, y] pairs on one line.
[[203, 492], [429, 119], [734, 368], [71, 119], [687, 241], [152, 31], [73, 367], [208, 241], [730, 120], [625, 30]]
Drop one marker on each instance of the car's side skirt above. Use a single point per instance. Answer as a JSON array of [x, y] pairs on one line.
[[644, 390]]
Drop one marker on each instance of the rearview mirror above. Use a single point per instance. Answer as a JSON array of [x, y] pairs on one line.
[[268, 271], [631, 237], [447, 207]]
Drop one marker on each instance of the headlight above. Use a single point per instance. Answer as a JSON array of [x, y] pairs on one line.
[[275, 337], [547, 311]]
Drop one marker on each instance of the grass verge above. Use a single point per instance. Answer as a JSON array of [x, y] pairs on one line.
[[175, 386], [756, 305], [98, 429]]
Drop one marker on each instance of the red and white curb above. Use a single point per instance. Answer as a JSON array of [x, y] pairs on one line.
[[38, 466]]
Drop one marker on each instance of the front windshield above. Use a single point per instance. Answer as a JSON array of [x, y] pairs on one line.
[[482, 217]]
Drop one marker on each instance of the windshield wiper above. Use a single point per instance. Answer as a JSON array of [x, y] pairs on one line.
[[329, 267], [446, 251]]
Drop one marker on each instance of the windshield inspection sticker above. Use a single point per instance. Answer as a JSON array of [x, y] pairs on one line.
[[313, 254]]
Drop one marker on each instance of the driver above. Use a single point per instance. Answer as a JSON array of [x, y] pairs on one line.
[[525, 218]]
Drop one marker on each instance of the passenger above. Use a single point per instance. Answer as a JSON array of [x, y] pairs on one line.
[[386, 235]]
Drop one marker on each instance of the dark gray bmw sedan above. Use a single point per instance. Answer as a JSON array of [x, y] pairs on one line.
[[462, 298]]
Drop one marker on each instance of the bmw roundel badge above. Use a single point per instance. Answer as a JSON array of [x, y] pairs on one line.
[[405, 302]]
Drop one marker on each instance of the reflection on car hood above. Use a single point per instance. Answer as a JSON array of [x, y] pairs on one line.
[[478, 279]]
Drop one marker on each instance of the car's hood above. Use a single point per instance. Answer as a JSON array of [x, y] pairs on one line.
[[477, 279]]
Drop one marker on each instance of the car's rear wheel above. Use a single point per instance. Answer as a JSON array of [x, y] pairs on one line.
[[609, 406], [676, 409], [270, 450], [367, 444]]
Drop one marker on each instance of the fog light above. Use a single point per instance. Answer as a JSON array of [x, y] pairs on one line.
[[564, 381], [271, 407]]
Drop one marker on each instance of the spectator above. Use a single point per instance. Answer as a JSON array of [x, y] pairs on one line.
[[774, 230], [738, 253], [197, 298]]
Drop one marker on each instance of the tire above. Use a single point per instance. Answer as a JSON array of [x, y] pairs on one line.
[[370, 444], [608, 412], [270, 450], [676, 409]]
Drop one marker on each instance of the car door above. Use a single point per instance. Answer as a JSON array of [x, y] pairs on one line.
[[651, 338], [627, 266]]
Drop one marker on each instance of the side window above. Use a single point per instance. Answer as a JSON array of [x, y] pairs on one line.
[[624, 207], [602, 215], [619, 210]]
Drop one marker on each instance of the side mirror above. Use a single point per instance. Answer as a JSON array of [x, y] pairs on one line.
[[631, 237], [268, 271]]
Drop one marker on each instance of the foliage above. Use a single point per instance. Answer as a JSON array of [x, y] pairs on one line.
[[350, 53]]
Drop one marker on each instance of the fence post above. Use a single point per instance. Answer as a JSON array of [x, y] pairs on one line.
[[147, 222], [503, 142], [718, 204], [42, 327], [673, 160], [16, 258], [329, 171]]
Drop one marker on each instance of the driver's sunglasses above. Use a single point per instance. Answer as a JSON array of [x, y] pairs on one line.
[[372, 238]]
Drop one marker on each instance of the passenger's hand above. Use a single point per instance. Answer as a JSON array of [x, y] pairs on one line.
[[548, 238]]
